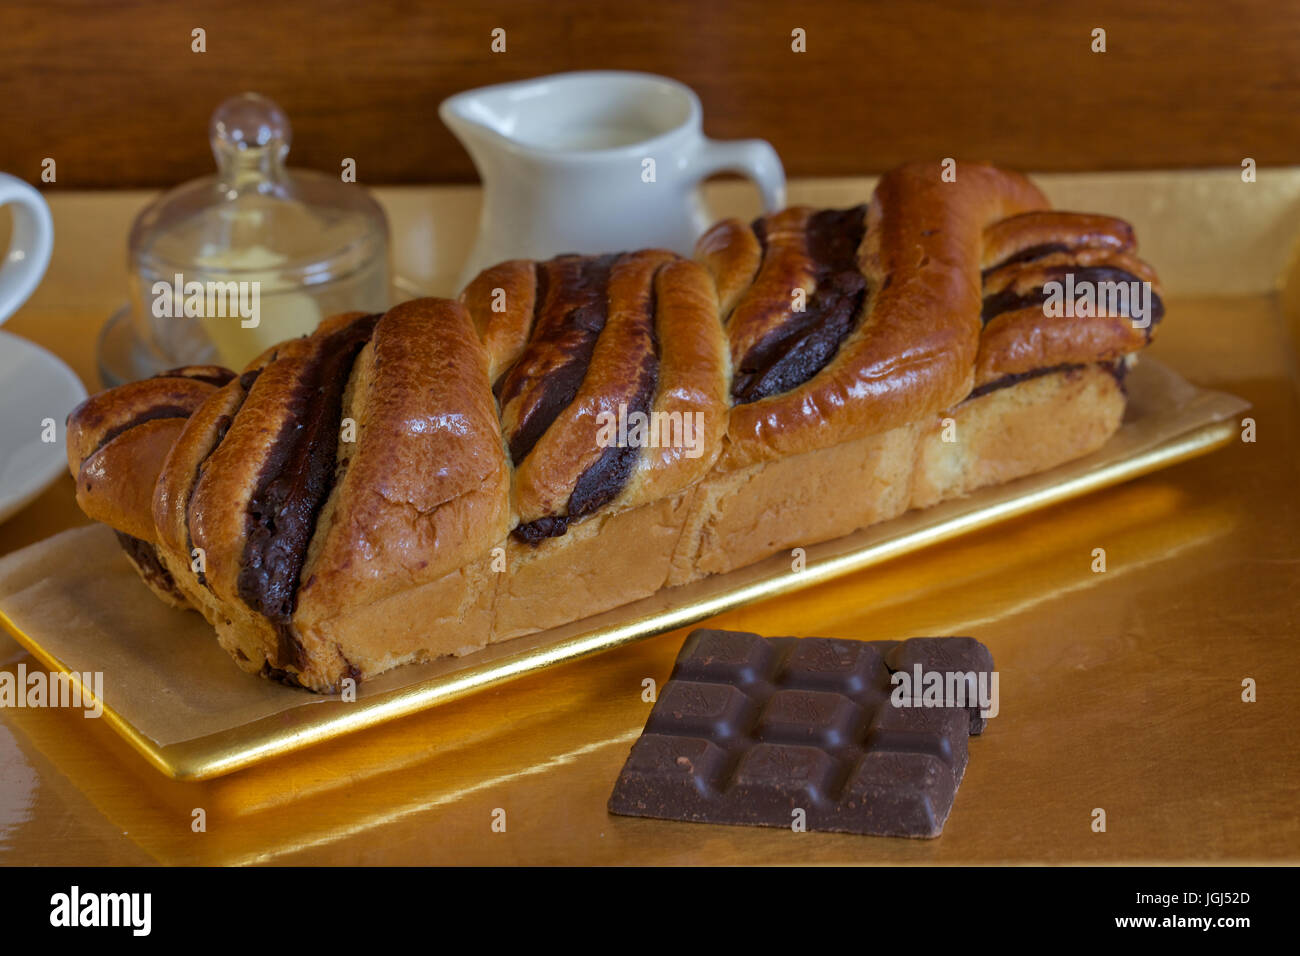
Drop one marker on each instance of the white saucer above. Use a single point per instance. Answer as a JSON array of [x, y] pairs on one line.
[[34, 385]]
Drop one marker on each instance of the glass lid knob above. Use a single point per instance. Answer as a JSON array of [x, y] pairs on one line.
[[250, 138]]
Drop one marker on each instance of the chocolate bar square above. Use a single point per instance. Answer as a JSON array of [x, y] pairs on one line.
[[750, 730]]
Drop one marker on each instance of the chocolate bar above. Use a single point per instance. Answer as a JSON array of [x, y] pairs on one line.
[[861, 736]]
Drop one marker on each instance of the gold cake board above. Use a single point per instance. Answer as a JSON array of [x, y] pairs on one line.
[[1169, 421]]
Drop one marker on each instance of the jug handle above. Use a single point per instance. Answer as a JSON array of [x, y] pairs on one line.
[[754, 158], [30, 243]]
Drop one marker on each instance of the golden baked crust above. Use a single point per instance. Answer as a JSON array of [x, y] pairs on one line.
[[104, 416], [578, 343], [183, 466], [1019, 336], [912, 350], [751, 513], [423, 487], [339, 469], [1043, 231], [501, 300], [1015, 431], [117, 442], [125, 505], [951, 299], [732, 254]]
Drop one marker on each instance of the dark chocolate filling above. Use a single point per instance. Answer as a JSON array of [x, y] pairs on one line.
[[602, 481], [145, 557], [803, 345], [218, 378], [153, 414], [537, 531], [294, 484], [281, 676], [1117, 368], [1006, 381], [1009, 300], [1028, 254], [570, 332], [223, 423], [759, 228]]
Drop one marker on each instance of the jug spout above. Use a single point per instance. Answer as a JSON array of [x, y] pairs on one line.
[[463, 115], [572, 114]]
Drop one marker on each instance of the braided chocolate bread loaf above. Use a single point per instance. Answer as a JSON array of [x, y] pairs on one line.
[[580, 433]]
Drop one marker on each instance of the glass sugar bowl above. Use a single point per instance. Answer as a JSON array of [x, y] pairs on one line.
[[225, 266]]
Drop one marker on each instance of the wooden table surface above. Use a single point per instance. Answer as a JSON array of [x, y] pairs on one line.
[[1120, 690]]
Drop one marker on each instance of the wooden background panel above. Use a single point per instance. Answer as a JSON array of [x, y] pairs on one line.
[[114, 94]]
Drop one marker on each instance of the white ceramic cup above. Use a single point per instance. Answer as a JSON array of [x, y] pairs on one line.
[[30, 244], [595, 161]]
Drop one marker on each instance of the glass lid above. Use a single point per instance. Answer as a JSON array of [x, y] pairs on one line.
[[255, 216]]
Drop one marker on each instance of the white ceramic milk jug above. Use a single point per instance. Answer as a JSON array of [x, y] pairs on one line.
[[596, 161]]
